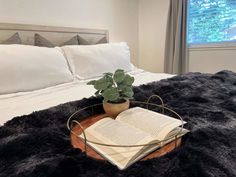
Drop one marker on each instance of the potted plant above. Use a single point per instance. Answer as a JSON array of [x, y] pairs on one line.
[[116, 90]]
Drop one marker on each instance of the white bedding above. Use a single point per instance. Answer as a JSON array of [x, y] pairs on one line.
[[28, 68], [18, 104]]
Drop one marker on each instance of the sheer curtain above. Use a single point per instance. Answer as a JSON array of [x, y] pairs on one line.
[[176, 53]]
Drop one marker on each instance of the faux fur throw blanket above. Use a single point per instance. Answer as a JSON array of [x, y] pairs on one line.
[[38, 145]]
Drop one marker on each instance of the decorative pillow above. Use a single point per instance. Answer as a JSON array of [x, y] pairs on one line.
[[29, 68], [88, 61], [73, 41], [43, 42], [83, 41], [14, 39], [40, 41], [102, 41]]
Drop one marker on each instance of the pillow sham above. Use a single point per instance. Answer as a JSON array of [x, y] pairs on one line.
[[41, 41], [14, 39], [88, 61], [27, 68]]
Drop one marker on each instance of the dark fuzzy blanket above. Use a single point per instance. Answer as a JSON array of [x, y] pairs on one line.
[[38, 145]]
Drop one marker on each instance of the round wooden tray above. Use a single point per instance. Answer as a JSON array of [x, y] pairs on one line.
[[78, 143]]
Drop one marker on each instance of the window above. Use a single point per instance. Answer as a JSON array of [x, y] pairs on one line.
[[211, 22]]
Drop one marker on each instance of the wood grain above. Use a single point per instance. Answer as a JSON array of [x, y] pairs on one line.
[[78, 143]]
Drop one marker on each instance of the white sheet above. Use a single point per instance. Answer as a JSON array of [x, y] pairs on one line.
[[24, 103]]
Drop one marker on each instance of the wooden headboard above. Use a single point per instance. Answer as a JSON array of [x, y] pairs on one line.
[[57, 35]]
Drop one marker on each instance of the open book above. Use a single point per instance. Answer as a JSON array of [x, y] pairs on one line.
[[134, 126]]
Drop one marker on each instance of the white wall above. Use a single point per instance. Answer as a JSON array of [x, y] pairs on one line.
[[120, 17], [142, 23], [152, 29], [212, 60]]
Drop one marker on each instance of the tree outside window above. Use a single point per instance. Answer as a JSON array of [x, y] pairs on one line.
[[211, 21]]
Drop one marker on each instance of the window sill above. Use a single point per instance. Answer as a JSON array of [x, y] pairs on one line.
[[213, 46]]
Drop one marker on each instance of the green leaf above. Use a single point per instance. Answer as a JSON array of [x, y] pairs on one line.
[[110, 94], [108, 74], [128, 92], [109, 79], [93, 82], [101, 84], [121, 86], [97, 93], [128, 80], [119, 75]]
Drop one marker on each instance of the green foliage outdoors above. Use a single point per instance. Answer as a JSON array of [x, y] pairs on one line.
[[114, 87], [209, 20]]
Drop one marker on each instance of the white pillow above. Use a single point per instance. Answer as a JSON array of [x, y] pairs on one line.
[[88, 61], [26, 68]]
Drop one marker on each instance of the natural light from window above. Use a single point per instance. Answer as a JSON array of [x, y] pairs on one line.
[[211, 21]]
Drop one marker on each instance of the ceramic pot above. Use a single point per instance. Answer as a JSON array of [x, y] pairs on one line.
[[113, 109]]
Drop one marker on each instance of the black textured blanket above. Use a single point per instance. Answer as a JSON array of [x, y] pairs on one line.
[[38, 145]]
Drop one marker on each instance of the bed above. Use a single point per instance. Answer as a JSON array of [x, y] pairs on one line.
[[21, 103], [34, 140]]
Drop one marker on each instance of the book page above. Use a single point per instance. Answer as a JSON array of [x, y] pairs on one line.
[[116, 158], [156, 124], [119, 133], [110, 131], [180, 132], [152, 148]]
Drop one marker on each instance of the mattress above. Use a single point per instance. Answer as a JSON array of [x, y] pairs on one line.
[[24, 103]]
